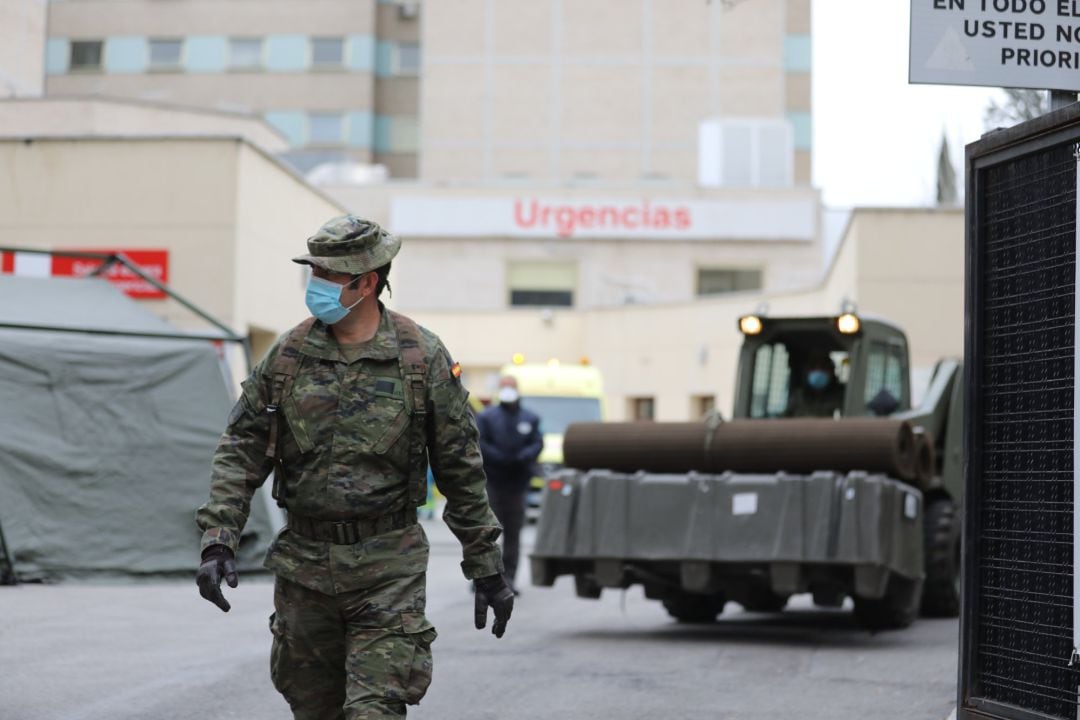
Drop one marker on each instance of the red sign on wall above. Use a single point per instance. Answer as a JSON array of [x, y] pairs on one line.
[[154, 263]]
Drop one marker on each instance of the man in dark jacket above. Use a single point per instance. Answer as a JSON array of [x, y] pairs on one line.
[[510, 442]]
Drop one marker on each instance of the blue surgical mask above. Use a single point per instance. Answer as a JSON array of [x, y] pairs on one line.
[[323, 299], [817, 379]]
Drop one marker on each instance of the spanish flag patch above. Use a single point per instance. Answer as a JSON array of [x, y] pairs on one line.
[[455, 370]]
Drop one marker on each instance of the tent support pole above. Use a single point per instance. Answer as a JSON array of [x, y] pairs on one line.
[[108, 260]]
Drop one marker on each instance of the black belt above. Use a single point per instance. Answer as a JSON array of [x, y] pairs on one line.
[[350, 532]]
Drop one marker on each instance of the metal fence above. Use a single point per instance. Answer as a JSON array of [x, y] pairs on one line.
[[1017, 626]]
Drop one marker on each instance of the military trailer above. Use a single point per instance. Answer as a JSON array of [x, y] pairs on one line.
[[835, 486]]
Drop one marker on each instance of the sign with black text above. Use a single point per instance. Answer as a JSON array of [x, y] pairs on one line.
[[998, 43]]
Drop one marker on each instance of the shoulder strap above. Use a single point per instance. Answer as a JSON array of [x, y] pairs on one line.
[[282, 373], [414, 374], [412, 361]]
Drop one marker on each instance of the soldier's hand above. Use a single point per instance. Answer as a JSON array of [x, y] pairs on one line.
[[492, 591], [218, 561]]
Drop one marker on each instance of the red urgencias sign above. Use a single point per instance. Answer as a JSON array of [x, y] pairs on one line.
[[154, 263]]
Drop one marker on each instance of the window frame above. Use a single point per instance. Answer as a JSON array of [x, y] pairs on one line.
[[232, 66], [636, 402], [312, 141], [399, 69], [329, 66], [763, 396], [151, 67], [892, 350], [701, 404], [569, 290], [700, 270], [89, 69]]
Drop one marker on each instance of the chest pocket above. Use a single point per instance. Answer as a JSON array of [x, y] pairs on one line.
[[332, 407], [311, 406], [388, 412]]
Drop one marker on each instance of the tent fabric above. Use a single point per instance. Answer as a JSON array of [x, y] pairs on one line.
[[106, 442], [82, 303]]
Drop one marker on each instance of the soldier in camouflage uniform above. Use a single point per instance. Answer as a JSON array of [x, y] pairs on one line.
[[348, 409]]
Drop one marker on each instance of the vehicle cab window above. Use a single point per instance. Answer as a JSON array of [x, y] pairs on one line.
[[798, 379], [772, 376], [886, 370]]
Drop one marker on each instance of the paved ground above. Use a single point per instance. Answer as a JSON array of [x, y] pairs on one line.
[[127, 652]]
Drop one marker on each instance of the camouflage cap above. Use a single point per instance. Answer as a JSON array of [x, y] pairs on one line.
[[348, 244]]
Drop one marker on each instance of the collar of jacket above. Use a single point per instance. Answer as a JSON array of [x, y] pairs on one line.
[[321, 344]]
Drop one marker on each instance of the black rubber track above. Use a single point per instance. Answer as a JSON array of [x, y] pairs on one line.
[[942, 547], [691, 608], [895, 611]]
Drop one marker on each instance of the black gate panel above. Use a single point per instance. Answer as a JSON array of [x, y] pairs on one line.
[[1017, 628]]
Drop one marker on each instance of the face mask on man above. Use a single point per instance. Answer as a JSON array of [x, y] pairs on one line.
[[508, 395], [817, 379], [323, 299]]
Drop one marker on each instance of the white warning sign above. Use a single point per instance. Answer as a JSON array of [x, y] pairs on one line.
[[999, 43]]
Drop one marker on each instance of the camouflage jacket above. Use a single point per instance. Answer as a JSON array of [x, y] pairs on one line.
[[805, 402], [346, 453]]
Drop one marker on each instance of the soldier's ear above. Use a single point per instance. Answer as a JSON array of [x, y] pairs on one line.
[[365, 282]]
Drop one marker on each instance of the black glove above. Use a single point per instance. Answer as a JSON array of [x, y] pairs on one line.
[[492, 591], [217, 561]]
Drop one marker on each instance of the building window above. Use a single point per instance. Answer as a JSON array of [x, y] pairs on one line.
[[245, 53], [408, 9], [327, 52], [86, 55], [716, 281], [642, 408], [545, 284], [544, 298], [746, 153], [396, 134], [702, 405], [408, 59], [326, 129], [165, 54]]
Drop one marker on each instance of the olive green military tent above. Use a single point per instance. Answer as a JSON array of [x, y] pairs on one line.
[[108, 421]]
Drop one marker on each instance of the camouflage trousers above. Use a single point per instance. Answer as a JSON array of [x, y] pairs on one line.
[[360, 655]]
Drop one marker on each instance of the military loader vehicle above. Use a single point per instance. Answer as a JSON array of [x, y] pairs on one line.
[[825, 481]]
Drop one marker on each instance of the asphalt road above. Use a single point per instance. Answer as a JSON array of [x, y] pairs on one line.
[[157, 651]]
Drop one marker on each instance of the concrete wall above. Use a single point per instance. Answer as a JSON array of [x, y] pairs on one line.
[[560, 91], [230, 217], [473, 270], [905, 265], [77, 117], [178, 195], [22, 48], [257, 93], [911, 270], [275, 214], [98, 18], [610, 272], [376, 102]]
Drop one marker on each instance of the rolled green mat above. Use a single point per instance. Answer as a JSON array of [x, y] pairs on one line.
[[797, 445]]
